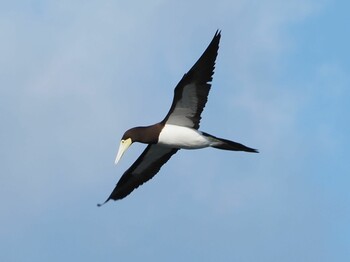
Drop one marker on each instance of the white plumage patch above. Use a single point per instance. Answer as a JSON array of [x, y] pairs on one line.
[[182, 137]]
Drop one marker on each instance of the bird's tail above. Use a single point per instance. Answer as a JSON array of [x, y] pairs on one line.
[[225, 144]]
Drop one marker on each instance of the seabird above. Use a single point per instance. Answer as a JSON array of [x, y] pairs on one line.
[[178, 130]]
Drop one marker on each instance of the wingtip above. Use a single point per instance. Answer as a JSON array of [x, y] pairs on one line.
[[217, 34], [101, 204]]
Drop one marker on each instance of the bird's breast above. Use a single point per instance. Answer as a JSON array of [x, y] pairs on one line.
[[182, 137]]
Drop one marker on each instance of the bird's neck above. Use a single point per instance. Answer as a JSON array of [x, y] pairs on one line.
[[147, 134]]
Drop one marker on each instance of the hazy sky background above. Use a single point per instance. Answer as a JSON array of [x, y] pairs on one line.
[[74, 75]]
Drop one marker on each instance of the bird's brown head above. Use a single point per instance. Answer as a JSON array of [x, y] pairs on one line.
[[141, 134]]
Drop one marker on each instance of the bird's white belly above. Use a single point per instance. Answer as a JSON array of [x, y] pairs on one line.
[[182, 137]]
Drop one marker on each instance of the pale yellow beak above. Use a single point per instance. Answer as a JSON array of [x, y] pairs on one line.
[[124, 145]]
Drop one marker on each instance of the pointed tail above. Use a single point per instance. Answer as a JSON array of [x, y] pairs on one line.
[[225, 144]]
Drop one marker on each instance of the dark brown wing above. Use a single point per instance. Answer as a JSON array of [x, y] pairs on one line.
[[191, 93], [144, 168]]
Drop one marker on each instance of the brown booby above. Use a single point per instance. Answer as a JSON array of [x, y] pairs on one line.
[[179, 128]]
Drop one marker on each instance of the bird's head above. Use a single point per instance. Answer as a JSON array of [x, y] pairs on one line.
[[125, 143], [141, 134]]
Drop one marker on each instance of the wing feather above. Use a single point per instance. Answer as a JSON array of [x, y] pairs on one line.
[[143, 169], [191, 93]]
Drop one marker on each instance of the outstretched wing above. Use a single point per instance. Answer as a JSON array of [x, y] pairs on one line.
[[144, 168], [191, 93]]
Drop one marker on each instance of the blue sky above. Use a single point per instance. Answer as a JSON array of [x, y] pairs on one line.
[[74, 75]]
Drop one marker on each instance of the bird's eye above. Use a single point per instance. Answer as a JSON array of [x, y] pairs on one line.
[[123, 141]]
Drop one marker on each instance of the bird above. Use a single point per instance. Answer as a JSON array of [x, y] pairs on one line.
[[178, 130]]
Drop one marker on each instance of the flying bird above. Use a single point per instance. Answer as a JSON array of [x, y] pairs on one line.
[[178, 130]]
